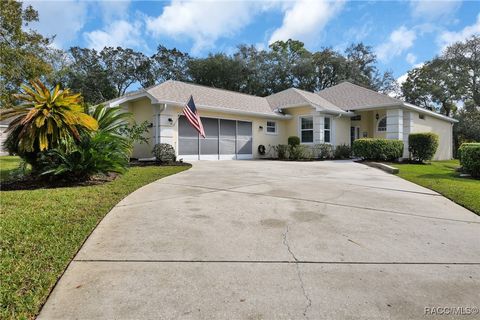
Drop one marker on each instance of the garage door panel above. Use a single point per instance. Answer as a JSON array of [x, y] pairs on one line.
[[244, 137], [209, 145], [227, 137]]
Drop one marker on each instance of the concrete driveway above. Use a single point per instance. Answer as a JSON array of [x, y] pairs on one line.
[[276, 240]]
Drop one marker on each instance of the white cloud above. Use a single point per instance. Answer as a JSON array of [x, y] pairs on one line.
[[432, 10], [446, 38], [118, 33], [411, 58], [63, 19], [403, 77], [305, 19], [399, 40], [202, 21], [111, 10]]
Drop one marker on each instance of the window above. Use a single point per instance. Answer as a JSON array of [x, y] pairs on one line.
[[326, 130], [271, 127], [382, 124], [306, 129]]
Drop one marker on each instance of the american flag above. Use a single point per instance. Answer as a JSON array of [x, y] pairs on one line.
[[190, 112]]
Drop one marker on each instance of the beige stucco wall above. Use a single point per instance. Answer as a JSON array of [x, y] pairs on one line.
[[342, 130], [440, 127], [142, 110], [369, 124], [292, 126]]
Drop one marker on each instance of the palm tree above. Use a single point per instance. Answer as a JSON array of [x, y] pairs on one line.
[[45, 118]]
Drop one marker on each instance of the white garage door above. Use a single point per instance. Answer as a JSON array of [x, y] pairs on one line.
[[224, 139]]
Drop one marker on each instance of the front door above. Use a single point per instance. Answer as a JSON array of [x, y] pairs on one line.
[[354, 134]]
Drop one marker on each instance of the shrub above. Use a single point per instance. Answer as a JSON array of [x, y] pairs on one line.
[[323, 151], [377, 149], [293, 141], [299, 152], [342, 151], [470, 158], [282, 151], [164, 152], [103, 151], [100, 154], [463, 146], [422, 146]]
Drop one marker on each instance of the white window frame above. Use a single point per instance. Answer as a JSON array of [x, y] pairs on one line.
[[329, 130], [378, 122], [275, 127], [300, 130]]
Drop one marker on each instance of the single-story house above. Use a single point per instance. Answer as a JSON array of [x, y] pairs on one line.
[[236, 124]]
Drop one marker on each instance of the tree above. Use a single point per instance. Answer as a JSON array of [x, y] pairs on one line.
[[89, 76], [45, 119], [464, 63], [218, 70], [169, 64], [23, 51]]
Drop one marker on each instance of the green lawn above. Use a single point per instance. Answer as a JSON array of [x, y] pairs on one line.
[[41, 231], [442, 177], [8, 165]]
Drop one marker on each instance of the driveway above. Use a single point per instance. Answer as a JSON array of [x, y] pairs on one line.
[[276, 240]]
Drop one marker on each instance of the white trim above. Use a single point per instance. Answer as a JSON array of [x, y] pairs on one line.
[[330, 130], [244, 156], [429, 112], [227, 157], [276, 128], [378, 122], [299, 129]]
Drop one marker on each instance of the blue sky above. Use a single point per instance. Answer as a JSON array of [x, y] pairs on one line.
[[403, 33]]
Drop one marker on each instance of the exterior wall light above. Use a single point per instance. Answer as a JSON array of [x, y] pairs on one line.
[[377, 116]]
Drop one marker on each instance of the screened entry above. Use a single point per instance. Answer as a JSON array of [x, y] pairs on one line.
[[224, 139]]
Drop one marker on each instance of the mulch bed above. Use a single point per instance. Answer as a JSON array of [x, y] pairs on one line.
[[30, 183]]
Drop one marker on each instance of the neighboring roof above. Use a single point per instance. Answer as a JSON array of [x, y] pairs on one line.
[[295, 97], [349, 96]]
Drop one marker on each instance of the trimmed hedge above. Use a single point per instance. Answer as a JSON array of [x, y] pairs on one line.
[[422, 146], [470, 158], [293, 141], [377, 149]]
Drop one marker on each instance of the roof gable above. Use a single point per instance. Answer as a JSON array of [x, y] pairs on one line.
[[293, 97]]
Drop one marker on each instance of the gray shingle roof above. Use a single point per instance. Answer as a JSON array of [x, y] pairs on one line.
[[295, 97], [179, 92], [349, 96]]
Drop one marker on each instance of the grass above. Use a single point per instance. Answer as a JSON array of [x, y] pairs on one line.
[[8, 166], [41, 231], [441, 177]]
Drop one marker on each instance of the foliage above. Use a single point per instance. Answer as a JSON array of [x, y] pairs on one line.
[[453, 76], [45, 119], [442, 177], [422, 146], [468, 127], [299, 152], [42, 230], [101, 152], [282, 151], [377, 149], [164, 152], [470, 158], [323, 151], [343, 151], [136, 132], [293, 141], [23, 51]]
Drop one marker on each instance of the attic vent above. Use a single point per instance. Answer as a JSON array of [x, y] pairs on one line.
[[421, 116]]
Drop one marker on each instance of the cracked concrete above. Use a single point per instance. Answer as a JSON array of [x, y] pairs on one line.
[[239, 239], [299, 274]]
